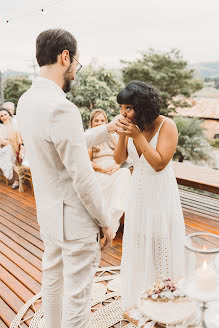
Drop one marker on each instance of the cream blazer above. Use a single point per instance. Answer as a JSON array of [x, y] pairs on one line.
[[69, 201]]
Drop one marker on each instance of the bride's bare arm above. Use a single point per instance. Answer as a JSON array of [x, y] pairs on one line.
[[120, 152], [168, 137], [159, 158], [96, 167]]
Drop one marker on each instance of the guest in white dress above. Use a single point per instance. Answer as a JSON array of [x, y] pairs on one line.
[[114, 181], [154, 231], [7, 158]]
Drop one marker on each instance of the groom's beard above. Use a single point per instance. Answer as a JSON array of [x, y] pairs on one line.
[[67, 86], [67, 80]]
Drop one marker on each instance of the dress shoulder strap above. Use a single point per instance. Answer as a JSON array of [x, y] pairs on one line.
[[161, 125]]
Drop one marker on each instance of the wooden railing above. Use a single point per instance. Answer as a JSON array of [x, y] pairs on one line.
[[197, 177]]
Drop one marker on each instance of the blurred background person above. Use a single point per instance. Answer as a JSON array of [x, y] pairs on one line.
[[10, 106], [114, 181], [7, 158]]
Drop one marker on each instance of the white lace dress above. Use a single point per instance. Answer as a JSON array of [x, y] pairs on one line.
[[154, 231]]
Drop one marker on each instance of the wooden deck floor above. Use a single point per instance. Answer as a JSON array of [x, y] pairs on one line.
[[22, 249]]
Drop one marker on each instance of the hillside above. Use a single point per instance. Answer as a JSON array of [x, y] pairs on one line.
[[206, 69]]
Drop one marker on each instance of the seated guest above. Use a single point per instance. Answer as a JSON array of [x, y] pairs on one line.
[[7, 158], [10, 106], [114, 181]]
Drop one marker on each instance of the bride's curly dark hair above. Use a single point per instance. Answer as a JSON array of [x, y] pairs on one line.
[[145, 101]]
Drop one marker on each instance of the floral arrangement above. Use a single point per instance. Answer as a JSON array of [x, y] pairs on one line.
[[163, 290]]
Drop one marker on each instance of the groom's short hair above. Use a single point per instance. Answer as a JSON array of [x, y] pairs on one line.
[[51, 43]]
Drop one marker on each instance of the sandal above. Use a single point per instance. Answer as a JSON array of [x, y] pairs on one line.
[[15, 185]]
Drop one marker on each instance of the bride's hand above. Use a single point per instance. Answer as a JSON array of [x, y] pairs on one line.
[[112, 169], [111, 126], [127, 128]]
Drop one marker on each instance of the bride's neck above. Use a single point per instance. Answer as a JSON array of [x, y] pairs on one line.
[[153, 125]]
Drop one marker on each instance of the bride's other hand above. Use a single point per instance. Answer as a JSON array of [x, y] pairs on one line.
[[115, 168], [126, 128], [112, 169]]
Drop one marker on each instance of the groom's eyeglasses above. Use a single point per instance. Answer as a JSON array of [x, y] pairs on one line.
[[79, 66]]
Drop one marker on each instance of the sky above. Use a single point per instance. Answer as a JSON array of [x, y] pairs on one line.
[[110, 30]]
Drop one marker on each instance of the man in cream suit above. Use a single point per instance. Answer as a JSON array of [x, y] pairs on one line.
[[70, 206]]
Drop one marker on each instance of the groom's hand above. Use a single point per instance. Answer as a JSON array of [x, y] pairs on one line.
[[108, 234], [112, 126]]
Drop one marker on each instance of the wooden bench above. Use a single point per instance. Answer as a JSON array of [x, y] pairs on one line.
[[197, 177]]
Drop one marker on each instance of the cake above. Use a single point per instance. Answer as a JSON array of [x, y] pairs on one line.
[[165, 304]]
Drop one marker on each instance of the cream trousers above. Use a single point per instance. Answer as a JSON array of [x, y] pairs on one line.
[[68, 271]]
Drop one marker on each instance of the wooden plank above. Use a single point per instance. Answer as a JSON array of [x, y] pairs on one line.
[[201, 202], [21, 263], [26, 217], [13, 300], [195, 195], [114, 253], [22, 195], [204, 226], [110, 259], [22, 252], [16, 198], [21, 241], [6, 313], [19, 223], [4, 196], [2, 324], [9, 294], [29, 237], [199, 227], [188, 210], [21, 276]]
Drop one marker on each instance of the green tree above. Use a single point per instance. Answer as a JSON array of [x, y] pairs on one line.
[[168, 72], [193, 144], [15, 87], [96, 88]]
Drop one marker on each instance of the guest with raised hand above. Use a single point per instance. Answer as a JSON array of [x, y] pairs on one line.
[[114, 181], [7, 158], [154, 231]]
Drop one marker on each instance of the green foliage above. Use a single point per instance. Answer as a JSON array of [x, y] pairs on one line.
[[15, 87], [214, 143], [168, 72], [96, 88], [193, 144]]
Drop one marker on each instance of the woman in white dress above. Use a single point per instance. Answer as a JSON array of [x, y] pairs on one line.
[[114, 181], [154, 231], [7, 158]]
